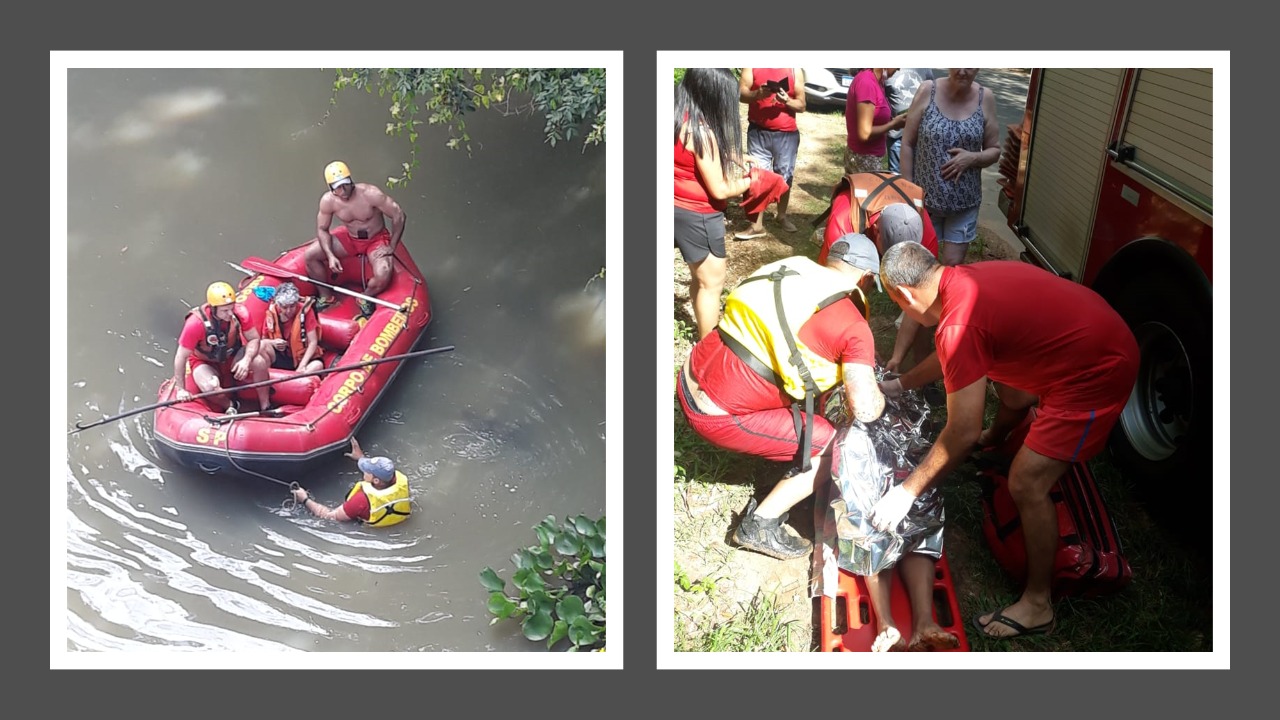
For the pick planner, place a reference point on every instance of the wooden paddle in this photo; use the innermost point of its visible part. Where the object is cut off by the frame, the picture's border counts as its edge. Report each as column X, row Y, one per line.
column 258, row 265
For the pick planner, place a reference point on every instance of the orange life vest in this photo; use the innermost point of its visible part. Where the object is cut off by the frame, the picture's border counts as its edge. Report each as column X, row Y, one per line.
column 870, row 193
column 296, row 333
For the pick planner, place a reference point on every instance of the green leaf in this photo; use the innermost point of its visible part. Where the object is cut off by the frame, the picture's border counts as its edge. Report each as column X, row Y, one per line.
column 491, row 581
column 544, row 560
column 558, row 633
column 501, row 605
column 582, row 632
column 527, row 579
column 584, row 525
column 570, row 608
column 568, row 544
column 539, row 600
column 596, row 544
column 545, row 537
column 538, row 626
column 523, row 559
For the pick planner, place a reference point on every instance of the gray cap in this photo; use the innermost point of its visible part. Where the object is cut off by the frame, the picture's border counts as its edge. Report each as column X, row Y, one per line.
column 897, row 223
column 379, row 467
column 858, row 251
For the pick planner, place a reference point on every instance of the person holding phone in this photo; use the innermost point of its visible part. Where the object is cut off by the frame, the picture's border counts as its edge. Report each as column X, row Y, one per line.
column 773, row 97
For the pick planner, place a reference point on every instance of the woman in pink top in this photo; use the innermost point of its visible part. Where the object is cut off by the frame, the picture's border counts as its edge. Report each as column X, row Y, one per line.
column 708, row 171
column 867, row 119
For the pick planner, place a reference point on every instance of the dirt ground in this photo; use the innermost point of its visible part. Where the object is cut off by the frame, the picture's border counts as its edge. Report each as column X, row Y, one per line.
column 705, row 515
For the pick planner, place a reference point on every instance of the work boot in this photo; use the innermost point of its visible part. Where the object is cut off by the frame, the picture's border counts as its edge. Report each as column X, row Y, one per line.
column 769, row 536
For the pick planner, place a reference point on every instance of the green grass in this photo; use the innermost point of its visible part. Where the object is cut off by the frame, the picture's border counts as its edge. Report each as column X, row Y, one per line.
column 755, row 629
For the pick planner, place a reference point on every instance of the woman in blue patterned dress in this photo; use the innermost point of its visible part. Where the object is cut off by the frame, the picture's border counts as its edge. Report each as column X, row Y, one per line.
column 950, row 135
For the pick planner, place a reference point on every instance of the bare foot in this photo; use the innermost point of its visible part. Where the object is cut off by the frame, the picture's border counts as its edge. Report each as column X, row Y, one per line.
column 889, row 640
column 933, row 638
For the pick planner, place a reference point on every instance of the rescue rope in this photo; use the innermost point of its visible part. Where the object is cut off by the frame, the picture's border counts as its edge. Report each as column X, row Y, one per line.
column 288, row 503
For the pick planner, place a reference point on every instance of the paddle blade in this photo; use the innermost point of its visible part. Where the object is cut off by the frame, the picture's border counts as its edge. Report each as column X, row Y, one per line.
column 270, row 269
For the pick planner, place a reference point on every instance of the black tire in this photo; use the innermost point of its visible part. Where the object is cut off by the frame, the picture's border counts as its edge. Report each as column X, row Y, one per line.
column 1164, row 439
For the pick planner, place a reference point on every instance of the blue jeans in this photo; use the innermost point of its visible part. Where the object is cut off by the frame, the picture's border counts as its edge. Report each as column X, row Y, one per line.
column 891, row 148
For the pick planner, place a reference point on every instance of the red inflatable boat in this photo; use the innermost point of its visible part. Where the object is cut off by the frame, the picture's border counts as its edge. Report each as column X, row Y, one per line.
column 319, row 413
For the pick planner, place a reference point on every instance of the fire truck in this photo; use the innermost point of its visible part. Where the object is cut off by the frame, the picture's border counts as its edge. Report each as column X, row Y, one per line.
column 1108, row 181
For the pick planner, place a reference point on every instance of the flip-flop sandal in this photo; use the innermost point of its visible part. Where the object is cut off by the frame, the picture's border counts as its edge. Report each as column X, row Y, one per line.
column 749, row 234
column 1018, row 628
column 788, row 225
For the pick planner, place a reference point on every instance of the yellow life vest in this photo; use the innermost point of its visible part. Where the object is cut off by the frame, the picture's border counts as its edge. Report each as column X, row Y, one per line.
column 387, row 506
column 760, row 321
column 799, row 287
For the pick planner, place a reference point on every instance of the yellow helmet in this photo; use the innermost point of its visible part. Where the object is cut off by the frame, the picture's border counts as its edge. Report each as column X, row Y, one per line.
column 220, row 293
column 336, row 173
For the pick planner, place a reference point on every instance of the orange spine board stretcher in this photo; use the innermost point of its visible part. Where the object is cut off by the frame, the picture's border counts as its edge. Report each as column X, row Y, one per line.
column 849, row 624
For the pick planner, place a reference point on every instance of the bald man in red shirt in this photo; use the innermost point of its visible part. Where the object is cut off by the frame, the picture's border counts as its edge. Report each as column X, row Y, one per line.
column 1042, row 340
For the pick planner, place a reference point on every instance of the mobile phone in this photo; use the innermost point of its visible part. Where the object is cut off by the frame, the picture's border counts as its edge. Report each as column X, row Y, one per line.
column 781, row 84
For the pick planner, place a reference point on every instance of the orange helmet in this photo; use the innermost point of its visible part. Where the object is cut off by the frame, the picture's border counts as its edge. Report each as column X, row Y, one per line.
column 220, row 294
column 336, row 173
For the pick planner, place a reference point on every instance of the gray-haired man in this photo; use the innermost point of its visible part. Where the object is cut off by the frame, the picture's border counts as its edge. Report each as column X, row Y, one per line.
column 291, row 331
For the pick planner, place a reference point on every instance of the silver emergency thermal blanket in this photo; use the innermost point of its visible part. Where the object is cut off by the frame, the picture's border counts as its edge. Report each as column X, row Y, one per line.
column 866, row 461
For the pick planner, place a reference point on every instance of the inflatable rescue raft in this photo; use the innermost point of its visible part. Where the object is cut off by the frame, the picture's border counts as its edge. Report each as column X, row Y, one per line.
column 318, row 413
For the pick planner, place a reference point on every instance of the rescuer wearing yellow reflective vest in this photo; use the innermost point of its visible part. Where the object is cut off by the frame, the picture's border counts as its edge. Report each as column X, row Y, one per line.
column 379, row 499
column 789, row 333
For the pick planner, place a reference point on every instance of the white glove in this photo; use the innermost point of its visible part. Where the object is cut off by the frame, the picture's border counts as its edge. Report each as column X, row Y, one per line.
column 891, row 509
column 891, row 388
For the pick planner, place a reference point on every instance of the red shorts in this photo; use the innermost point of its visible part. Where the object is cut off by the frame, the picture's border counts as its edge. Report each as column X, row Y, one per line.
column 770, row 434
column 223, row 370
column 1072, row 435
column 356, row 246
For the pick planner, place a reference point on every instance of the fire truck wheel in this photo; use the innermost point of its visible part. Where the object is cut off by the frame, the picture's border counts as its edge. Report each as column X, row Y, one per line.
column 1164, row 439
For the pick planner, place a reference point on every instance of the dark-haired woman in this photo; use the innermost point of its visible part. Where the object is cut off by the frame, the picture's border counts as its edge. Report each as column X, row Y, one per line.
column 709, row 169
